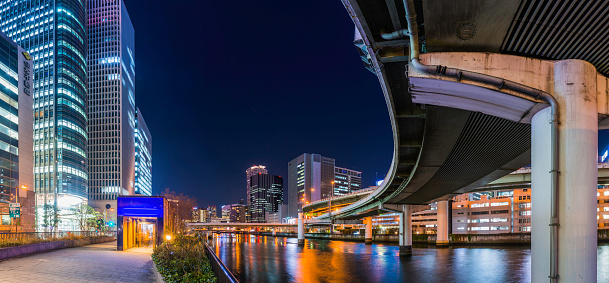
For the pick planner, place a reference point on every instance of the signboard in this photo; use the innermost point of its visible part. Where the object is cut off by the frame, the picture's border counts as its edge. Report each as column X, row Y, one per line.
column 15, row 210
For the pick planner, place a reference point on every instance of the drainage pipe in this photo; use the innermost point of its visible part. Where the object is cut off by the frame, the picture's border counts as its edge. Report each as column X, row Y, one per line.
column 395, row 35
column 500, row 83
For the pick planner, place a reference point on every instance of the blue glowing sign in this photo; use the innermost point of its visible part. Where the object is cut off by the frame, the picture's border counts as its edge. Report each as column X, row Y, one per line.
column 140, row 206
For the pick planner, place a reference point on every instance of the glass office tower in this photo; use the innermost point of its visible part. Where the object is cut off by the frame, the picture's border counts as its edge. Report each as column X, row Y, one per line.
column 54, row 34
column 112, row 119
column 16, row 133
column 143, row 156
column 254, row 170
column 266, row 195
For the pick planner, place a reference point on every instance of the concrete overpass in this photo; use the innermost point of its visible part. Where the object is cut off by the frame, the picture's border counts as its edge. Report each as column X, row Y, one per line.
column 468, row 85
column 520, row 178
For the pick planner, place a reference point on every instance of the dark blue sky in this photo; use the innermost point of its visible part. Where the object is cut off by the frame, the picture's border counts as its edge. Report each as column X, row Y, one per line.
column 224, row 85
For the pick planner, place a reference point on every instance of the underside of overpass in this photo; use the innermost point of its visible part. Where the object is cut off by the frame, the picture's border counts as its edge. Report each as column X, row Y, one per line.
column 497, row 62
column 439, row 151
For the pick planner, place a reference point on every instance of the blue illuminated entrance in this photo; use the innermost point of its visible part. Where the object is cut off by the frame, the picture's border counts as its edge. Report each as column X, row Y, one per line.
column 140, row 221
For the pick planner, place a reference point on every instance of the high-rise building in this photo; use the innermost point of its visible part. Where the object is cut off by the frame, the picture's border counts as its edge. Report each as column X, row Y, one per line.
column 143, row 156
column 254, row 170
column 16, row 133
column 112, row 120
column 54, row 33
column 346, row 181
column 310, row 178
column 235, row 213
column 212, row 210
column 266, row 195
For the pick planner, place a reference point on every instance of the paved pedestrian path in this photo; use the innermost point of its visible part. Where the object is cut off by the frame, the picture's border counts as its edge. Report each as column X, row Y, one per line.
column 93, row 263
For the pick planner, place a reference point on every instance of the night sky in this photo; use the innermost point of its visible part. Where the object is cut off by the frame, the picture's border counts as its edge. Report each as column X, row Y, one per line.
column 224, row 85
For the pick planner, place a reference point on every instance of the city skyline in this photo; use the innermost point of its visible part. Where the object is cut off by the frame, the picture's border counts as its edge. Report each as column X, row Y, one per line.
column 221, row 104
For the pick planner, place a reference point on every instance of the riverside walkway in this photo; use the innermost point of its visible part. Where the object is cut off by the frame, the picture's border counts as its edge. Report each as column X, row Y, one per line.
column 92, row 263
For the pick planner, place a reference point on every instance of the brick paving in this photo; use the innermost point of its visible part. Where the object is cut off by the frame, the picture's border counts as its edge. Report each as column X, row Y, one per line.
column 93, row 263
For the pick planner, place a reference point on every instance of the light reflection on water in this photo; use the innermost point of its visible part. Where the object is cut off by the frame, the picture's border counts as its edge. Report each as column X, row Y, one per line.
column 280, row 259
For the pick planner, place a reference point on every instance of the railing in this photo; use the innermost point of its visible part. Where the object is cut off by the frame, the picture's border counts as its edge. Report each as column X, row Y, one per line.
column 8, row 236
column 342, row 196
column 224, row 275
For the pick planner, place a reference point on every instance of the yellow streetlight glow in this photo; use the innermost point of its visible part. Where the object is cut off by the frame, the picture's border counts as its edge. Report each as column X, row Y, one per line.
column 168, row 237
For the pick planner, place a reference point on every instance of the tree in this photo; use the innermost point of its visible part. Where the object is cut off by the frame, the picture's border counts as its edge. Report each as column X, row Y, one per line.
column 179, row 210
column 50, row 218
column 85, row 216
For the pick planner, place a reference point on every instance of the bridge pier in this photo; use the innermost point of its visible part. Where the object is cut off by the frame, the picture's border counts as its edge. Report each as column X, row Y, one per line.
column 442, row 217
column 576, row 94
column 405, row 231
column 301, row 232
column 368, row 235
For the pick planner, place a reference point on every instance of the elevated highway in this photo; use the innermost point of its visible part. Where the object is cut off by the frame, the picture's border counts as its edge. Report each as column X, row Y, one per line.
column 453, row 135
column 520, row 178
column 477, row 89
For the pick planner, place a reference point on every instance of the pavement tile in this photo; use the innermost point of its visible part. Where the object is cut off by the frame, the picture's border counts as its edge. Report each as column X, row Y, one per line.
column 94, row 263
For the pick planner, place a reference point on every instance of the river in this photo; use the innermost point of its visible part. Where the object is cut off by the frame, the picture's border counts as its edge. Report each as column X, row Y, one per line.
column 280, row 259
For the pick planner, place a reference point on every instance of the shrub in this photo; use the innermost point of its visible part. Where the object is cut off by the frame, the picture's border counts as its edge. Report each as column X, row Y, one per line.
column 5, row 243
column 183, row 260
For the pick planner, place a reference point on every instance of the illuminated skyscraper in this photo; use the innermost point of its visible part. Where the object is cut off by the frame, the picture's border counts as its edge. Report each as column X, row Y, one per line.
column 254, row 170
column 54, row 33
column 112, row 119
column 310, row 179
column 346, row 181
column 266, row 195
column 143, row 156
column 16, row 132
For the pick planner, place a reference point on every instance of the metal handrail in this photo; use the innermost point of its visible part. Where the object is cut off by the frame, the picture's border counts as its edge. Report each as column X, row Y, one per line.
column 5, row 236
column 342, row 196
column 223, row 273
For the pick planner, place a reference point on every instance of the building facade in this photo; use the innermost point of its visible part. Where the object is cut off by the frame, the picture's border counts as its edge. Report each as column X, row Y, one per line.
column 254, row 170
column 112, row 120
column 266, row 195
column 54, row 33
column 310, row 178
column 346, row 181
column 277, row 217
column 235, row 213
column 16, row 135
column 143, row 156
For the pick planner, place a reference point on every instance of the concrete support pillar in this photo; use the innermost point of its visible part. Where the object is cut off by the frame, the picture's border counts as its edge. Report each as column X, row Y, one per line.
column 368, row 223
column 301, row 232
column 405, row 231
column 575, row 92
column 442, row 236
